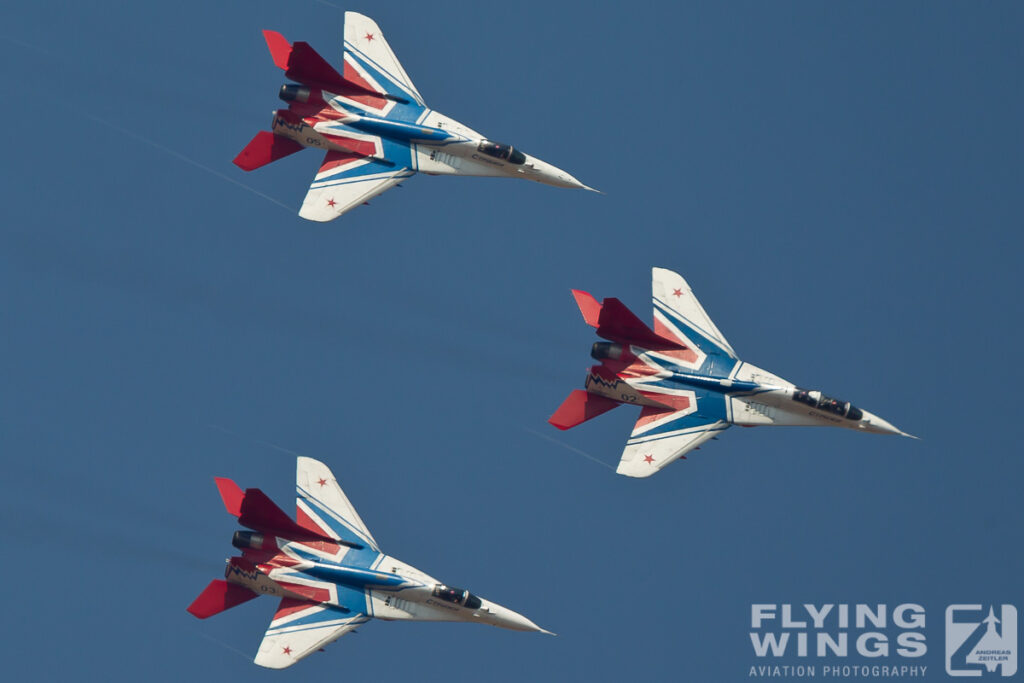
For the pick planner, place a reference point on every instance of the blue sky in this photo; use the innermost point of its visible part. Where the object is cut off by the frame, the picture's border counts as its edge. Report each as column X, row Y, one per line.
column 839, row 182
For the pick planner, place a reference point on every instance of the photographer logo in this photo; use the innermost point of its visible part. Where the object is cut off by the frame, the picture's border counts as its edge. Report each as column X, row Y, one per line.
column 981, row 640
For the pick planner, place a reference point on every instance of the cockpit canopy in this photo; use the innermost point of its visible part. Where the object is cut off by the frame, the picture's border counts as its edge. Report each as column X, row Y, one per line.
column 500, row 151
column 818, row 400
column 457, row 596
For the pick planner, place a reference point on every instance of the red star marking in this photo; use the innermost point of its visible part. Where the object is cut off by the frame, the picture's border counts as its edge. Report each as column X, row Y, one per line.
column 677, row 292
column 649, row 459
column 331, row 202
column 322, row 482
column 369, row 37
column 287, row 650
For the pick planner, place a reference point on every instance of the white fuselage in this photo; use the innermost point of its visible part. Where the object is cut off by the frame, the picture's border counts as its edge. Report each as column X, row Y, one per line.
column 750, row 396
column 393, row 590
column 438, row 145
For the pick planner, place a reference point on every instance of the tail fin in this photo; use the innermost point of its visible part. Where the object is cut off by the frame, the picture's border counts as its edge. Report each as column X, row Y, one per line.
column 260, row 513
column 256, row 511
column 219, row 596
column 616, row 322
column 579, row 407
column 265, row 148
column 304, row 64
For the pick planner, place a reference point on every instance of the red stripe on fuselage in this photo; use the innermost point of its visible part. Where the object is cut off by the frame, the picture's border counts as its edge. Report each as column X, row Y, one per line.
column 334, row 160
column 651, row 414
column 291, row 606
column 673, row 401
column 685, row 354
column 306, row 522
column 321, row 546
column 352, row 75
column 639, row 369
column 354, row 146
column 280, row 560
column 308, row 592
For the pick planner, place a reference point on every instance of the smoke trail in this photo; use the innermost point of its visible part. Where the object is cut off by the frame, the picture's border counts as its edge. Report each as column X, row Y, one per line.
column 261, row 442
column 182, row 157
column 226, row 646
column 586, row 455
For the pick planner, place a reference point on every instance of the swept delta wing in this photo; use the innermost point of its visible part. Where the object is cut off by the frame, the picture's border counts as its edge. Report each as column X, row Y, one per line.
column 373, row 126
column 687, row 380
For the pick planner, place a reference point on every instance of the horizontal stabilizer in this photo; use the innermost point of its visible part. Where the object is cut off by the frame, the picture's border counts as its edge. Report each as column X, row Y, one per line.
column 617, row 323
column 265, row 148
column 589, row 307
column 219, row 596
column 579, row 407
column 231, row 494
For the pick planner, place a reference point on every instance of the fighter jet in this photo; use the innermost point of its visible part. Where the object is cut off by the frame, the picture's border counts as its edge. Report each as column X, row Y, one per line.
column 688, row 380
column 328, row 572
column 374, row 127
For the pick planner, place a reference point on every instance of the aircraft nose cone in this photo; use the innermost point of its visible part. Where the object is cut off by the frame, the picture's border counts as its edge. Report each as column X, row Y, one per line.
column 872, row 423
column 505, row 618
column 552, row 175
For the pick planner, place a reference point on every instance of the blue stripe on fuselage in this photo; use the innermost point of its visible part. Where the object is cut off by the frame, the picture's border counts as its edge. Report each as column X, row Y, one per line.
column 396, row 151
column 717, row 384
column 711, row 407
column 398, row 130
column 353, row 577
column 714, row 368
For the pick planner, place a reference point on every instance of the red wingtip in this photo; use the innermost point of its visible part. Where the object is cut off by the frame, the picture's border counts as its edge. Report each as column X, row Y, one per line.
column 579, row 407
column 231, row 494
column 589, row 307
column 280, row 48
column 217, row 597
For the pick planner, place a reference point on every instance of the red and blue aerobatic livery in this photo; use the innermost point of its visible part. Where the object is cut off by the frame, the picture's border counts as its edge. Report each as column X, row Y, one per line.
column 688, row 381
column 328, row 572
column 373, row 126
